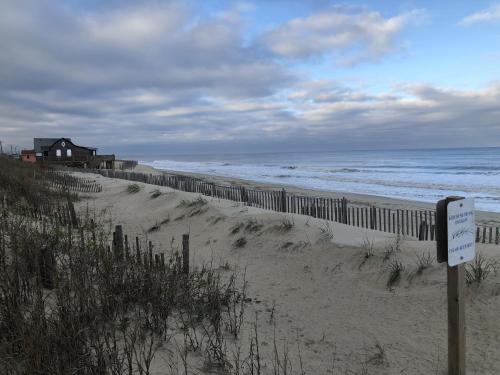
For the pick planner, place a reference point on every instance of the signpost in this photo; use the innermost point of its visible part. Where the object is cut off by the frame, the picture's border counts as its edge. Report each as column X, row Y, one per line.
column 455, row 239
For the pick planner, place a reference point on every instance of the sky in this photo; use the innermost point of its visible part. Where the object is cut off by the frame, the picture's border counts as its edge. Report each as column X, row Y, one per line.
column 161, row 77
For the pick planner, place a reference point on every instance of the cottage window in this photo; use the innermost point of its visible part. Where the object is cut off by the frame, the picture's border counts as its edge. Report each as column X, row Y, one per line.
column 68, row 152
column 58, row 153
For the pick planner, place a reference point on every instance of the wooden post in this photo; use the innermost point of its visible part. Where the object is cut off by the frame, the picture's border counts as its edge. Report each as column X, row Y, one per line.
column 455, row 291
column 344, row 210
column 137, row 250
column 47, row 267
column 150, row 254
column 422, row 231
column 118, row 242
column 456, row 320
column 185, row 254
column 283, row 201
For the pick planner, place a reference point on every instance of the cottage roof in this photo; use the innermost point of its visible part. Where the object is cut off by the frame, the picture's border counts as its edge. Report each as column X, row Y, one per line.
column 44, row 143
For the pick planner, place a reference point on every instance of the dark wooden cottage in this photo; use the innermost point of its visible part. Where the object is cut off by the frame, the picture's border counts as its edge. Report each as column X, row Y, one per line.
column 63, row 151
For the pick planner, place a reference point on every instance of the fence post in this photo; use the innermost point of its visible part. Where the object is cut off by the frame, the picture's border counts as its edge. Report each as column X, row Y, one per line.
column 150, row 254
column 422, row 231
column 344, row 210
column 47, row 267
column 244, row 195
column 137, row 250
column 283, row 200
column 185, row 254
column 118, row 242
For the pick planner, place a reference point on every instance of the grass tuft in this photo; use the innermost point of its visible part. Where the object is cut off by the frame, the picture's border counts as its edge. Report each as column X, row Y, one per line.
column 424, row 261
column 368, row 250
column 326, row 231
column 285, row 225
column 253, row 226
column 240, row 242
column 392, row 248
column 249, row 226
column 154, row 228
column 155, row 193
column 480, row 269
column 396, row 269
column 195, row 203
column 133, row 188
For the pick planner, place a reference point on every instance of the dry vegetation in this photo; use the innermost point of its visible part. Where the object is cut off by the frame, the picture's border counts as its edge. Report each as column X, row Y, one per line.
column 71, row 304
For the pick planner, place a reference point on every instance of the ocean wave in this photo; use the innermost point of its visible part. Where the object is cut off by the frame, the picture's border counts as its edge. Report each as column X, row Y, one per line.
column 419, row 175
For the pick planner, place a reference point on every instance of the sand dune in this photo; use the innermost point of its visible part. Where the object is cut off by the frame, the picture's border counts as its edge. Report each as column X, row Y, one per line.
column 315, row 288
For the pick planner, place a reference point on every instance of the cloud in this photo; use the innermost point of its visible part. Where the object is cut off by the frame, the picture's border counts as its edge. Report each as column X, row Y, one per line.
column 410, row 115
column 160, row 77
column 491, row 14
column 351, row 33
column 157, row 46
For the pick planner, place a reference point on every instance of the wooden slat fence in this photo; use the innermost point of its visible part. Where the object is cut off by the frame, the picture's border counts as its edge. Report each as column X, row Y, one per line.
column 420, row 224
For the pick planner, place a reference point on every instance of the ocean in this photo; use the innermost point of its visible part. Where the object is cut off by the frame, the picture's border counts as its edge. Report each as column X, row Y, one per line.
column 421, row 175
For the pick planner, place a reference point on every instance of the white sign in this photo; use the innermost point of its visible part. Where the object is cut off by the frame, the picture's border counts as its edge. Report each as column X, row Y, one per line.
column 461, row 226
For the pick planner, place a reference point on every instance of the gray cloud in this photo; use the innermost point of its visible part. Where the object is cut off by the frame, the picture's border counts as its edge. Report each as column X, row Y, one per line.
column 354, row 34
column 160, row 78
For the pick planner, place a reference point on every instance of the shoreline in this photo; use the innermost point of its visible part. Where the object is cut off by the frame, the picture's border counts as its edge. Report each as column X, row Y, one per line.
column 482, row 217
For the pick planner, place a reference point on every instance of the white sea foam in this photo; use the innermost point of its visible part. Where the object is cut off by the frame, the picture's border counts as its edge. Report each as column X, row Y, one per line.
column 425, row 175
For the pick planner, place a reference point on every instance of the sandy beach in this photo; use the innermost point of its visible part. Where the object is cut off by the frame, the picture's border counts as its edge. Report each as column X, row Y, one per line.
column 319, row 290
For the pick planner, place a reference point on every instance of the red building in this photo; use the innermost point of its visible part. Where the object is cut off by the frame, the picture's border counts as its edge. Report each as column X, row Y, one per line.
column 28, row 156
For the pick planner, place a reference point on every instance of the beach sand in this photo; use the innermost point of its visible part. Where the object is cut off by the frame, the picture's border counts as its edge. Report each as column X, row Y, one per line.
column 313, row 286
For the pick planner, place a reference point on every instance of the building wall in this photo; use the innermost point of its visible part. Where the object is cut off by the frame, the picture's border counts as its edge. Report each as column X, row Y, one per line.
column 64, row 149
column 28, row 158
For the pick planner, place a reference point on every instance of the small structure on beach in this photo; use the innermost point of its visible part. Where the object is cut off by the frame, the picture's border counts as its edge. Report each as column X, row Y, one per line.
column 28, row 156
column 62, row 151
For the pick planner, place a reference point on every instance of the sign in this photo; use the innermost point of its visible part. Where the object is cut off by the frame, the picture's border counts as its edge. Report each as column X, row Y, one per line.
column 461, row 226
